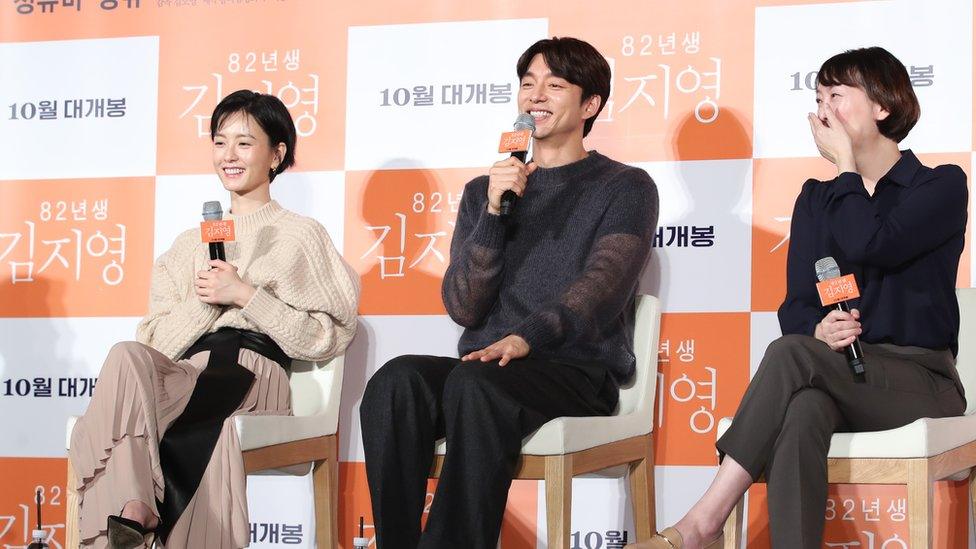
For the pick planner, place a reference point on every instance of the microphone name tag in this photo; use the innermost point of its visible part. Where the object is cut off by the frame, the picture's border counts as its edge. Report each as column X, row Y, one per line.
column 515, row 141
column 837, row 289
column 221, row 230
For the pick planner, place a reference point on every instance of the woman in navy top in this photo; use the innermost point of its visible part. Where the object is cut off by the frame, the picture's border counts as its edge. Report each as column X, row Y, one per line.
column 899, row 227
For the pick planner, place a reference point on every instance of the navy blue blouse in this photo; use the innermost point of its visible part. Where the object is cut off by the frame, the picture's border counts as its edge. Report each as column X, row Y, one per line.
column 902, row 244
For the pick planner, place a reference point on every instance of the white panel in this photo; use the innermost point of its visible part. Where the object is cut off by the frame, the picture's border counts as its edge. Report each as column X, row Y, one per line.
column 386, row 63
column 601, row 505
column 281, row 511
column 688, row 278
column 84, row 145
column 792, row 42
column 69, row 349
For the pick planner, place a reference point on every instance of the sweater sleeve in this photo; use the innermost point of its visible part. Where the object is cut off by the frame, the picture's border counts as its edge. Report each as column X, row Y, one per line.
column 611, row 271
column 472, row 279
column 310, row 310
column 176, row 317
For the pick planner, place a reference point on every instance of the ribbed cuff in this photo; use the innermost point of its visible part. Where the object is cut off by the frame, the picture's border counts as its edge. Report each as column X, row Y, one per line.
column 489, row 231
column 196, row 313
column 263, row 309
column 535, row 331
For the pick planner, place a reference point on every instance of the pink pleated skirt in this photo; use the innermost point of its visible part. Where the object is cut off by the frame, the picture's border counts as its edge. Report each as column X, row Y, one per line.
column 115, row 445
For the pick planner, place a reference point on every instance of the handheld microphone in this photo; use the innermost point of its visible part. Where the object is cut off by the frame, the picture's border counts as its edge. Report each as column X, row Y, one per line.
column 836, row 290
column 211, row 229
column 516, row 142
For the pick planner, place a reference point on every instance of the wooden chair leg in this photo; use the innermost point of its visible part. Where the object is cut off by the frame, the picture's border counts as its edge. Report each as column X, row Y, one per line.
column 972, row 492
column 733, row 527
column 642, row 494
column 325, row 486
column 559, row 500
column 920, row 490
column 71, row 532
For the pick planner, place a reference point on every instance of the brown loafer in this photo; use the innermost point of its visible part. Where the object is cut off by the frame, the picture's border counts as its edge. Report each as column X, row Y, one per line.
column 669, row 538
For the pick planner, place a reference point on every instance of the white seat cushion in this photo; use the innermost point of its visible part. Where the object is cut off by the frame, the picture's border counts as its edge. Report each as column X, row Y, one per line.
column 922, row 438
column 266, row 430
column 565, row 435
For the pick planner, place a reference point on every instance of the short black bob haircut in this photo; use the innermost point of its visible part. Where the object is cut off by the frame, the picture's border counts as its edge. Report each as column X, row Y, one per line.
column 269, row 112
column 575, row 61
column 885, row 81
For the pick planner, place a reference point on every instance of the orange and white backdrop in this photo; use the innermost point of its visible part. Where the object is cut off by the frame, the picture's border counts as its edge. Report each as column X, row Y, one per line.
column 104, row 159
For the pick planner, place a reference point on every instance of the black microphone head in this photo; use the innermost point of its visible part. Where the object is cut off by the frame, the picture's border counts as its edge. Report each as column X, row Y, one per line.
column 826, row 268
column 525, row 122
column 212, row 211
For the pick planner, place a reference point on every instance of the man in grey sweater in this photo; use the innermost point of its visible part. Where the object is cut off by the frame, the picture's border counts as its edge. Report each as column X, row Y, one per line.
column 547, row 299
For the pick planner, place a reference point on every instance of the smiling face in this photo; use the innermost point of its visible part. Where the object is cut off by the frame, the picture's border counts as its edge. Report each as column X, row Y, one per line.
column 243, row 155
column 556, row 105
column 853, row 108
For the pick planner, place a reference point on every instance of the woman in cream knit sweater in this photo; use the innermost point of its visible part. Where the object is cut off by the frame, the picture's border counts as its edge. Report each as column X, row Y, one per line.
column 156, row 451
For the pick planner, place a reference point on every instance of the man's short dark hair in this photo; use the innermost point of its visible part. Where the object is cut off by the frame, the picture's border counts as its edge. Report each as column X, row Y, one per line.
column 575, row 61
column 269, row 112
column 885, row 81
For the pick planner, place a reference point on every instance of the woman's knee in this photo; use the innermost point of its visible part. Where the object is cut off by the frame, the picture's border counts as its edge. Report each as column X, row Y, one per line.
column 787, row 346
column 788, row 354
column 123, row 356
column 812, row 410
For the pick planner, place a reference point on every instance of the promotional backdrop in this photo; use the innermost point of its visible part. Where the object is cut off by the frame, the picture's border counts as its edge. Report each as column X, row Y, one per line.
column 105, row 158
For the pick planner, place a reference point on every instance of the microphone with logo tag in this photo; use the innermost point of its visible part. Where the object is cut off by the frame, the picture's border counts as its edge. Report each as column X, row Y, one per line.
column 518, row 143
column 214, row 230
column 836, row 290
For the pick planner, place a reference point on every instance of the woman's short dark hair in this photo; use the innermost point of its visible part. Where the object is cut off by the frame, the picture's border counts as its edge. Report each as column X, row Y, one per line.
column 269, row 112
column 885, row 81
column 575, row 61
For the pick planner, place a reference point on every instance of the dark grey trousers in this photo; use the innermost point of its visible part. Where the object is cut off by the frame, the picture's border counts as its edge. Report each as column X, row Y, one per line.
column 484, row 410
column 804, row 392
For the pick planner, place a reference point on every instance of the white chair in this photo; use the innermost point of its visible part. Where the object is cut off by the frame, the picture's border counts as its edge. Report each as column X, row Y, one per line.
column 283, row 444
column 569, row 446
column 916, row 455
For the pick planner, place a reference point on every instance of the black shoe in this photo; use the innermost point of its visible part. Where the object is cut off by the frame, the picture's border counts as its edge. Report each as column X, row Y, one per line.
column 125, row 533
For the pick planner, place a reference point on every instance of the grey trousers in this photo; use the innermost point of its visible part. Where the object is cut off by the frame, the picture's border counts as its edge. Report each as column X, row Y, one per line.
column 804, row 392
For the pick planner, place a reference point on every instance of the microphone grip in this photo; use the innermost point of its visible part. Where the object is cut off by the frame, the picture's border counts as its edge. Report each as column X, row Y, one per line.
column 507, row 203
column 855, row 356
column 217, row 251
column 509, row 198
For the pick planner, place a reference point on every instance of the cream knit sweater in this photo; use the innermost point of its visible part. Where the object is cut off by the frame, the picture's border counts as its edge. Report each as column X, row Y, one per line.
column 306, row 298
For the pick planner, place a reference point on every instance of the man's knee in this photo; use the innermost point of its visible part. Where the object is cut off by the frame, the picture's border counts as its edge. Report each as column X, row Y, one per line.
column 468, row 381
column 479, row 393
column 396, row 372
column 390, row 380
